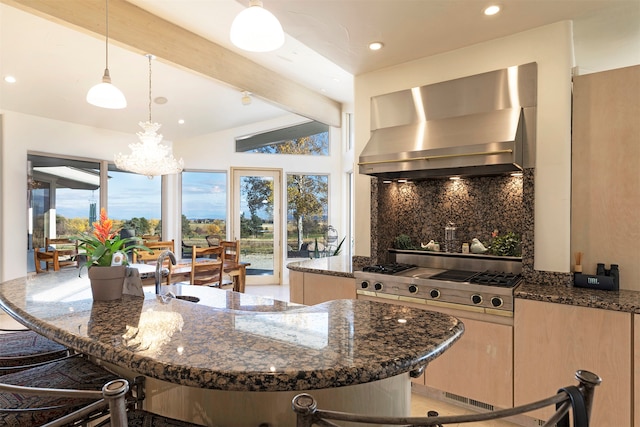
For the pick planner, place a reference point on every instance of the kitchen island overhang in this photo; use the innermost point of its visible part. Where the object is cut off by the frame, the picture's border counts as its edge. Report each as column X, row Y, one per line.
column 233, row 342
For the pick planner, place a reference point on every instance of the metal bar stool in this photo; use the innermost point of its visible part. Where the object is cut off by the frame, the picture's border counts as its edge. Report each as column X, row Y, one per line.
column 20, row 349
column 578, row 399
column 107, row 404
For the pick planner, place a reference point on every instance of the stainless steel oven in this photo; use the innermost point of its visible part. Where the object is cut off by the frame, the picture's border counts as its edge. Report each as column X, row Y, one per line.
column 477, row 371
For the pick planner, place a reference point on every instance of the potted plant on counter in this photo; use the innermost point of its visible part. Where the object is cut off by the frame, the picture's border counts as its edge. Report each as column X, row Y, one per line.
column 106, row 260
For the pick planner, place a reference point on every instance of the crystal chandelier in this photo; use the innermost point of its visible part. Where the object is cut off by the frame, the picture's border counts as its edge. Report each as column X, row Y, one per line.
column 149, row 157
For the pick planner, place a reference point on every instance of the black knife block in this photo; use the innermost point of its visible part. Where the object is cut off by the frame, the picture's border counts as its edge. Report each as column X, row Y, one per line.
column 593, row 281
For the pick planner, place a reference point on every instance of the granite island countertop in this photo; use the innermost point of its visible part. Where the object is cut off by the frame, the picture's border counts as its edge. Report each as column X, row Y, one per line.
column 339, row 265
column 232, row 341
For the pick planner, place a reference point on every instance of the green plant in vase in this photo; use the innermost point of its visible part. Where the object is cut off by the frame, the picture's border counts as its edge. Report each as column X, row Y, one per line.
column 101, row 249
column 104, row 243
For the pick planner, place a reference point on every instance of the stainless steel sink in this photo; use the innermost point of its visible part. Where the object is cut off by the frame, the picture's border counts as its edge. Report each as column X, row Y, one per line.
column 188, row 298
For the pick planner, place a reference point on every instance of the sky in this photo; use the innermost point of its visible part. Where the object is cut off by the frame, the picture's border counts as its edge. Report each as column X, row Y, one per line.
column 130, row 195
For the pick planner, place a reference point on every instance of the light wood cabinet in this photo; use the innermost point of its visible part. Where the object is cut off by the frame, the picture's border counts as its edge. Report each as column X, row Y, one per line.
column 311, row 288
column 552, row 341
column 296, row 286
column 636, row 368
column 604, row 171
column 479, row 366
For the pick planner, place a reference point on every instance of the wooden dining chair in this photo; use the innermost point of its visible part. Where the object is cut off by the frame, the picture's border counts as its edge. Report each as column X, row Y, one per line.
column 231, row 250
column 48, row 258
column 206, row 266
column 149, row 238
column 151, row 256
column 66, row 250
column 231, row 253
column 155, row 249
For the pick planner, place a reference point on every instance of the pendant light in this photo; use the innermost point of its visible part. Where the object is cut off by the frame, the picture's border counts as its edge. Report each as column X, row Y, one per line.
column 255, row 29
column 105, row 94
column 149, row 157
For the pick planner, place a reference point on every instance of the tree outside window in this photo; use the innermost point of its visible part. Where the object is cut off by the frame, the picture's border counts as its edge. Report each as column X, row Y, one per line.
column 307, row 206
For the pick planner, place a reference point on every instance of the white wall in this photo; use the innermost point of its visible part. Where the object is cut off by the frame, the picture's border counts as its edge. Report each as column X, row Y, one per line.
column 22, row 133
column 551, row 47
column 217, row 151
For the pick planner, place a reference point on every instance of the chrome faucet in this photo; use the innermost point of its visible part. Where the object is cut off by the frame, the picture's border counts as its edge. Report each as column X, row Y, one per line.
column 159, row 263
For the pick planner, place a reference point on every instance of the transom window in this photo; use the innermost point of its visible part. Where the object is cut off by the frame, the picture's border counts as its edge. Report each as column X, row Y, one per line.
column 310, row 138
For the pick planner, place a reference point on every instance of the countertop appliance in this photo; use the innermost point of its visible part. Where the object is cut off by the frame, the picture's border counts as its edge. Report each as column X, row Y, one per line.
column 488, row 291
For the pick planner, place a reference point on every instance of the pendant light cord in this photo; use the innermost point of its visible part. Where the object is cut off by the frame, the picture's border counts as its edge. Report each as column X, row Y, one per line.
column 150, row 57
column 107, row 36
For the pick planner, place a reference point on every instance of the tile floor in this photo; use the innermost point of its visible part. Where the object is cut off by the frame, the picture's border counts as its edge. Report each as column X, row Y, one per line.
column 420, row 405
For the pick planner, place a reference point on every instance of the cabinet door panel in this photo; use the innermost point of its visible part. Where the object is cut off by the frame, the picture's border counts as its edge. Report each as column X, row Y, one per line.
column 479, row 366
column 296, row 286
column 552, row 341
column 320, row 288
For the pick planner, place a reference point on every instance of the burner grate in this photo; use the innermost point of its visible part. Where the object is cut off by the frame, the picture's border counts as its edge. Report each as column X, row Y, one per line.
column 455, row 275
column 496, row 279
column 392, row 268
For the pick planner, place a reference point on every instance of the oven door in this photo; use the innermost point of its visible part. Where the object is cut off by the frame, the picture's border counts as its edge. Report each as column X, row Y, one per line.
column 478, row 368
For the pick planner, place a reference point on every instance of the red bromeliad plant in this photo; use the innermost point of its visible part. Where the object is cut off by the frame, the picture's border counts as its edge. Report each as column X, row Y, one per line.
column 104, row 242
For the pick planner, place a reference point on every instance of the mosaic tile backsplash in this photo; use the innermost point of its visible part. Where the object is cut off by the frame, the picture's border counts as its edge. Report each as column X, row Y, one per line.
column 477, row 206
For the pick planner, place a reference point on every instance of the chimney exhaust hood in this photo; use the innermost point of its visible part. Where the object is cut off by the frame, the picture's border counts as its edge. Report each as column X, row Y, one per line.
column 479, row 125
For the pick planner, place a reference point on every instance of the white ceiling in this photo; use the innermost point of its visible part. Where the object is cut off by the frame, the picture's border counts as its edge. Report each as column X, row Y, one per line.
column 325, row 47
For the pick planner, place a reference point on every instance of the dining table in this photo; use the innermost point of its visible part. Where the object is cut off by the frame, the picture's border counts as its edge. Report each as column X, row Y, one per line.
column 181, row 270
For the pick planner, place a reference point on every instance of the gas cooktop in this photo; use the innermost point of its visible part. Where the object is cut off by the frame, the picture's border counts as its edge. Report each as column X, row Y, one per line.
column 491, row 278
column 392, row 268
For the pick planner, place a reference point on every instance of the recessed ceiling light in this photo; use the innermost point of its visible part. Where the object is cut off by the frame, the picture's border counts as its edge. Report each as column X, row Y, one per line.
column 491, row 10
column 181, row 121
column 10, row 79
column 375, row 45
column 160, row 100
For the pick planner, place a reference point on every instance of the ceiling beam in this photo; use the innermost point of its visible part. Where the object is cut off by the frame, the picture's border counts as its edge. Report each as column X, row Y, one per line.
column 141, row 31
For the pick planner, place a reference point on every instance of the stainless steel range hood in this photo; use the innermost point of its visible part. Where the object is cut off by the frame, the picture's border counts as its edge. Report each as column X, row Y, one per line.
column 479, row 125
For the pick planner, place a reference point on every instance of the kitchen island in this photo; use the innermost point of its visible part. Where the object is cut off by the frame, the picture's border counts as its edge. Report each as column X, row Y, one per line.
column 555, row 330
column 237, row 359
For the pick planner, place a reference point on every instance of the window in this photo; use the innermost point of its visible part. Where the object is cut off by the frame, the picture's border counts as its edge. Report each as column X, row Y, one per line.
column 63, row 195
column 307, row 208
column 310, row 138
column 204, row 206
column 134, row 202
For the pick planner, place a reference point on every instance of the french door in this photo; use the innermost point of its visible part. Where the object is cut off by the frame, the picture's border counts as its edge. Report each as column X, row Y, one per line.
column 256, row 218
